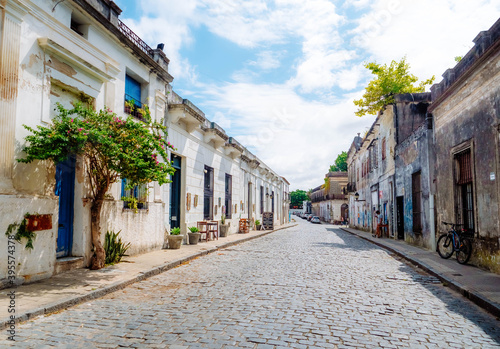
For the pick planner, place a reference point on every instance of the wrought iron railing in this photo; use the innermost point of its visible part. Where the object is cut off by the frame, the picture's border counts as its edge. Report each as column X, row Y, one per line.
column 135, row 38
column 351, row 187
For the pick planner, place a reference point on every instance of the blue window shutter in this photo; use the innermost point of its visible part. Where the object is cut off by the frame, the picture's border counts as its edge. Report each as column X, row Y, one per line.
column 124, row 183
column 132, row 90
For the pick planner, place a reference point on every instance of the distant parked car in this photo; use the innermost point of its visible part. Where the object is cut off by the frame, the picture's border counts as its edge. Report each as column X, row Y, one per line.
column 309, row 217
column 315, row 219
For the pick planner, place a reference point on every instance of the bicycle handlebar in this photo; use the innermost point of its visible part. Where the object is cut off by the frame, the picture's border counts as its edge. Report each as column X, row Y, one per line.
column 452, row 223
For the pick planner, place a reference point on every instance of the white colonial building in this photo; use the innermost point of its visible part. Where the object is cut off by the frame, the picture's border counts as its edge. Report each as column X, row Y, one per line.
column 58, row 52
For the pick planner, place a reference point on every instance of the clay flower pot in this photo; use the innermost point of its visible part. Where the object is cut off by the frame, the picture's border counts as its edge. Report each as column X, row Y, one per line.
column 194, row 238
column 224, row 230
column 174, row 241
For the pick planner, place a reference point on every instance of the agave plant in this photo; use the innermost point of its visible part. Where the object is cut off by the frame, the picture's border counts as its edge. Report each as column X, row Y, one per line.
column 114, row 247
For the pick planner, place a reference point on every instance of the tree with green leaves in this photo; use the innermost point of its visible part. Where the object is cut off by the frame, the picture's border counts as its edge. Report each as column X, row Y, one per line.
column 390, row 80
column 297, row 197
column 111, row 147
column 326, row 185
column 340, row 163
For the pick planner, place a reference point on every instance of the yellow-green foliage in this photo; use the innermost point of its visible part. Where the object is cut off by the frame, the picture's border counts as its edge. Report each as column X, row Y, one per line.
column 390, row 80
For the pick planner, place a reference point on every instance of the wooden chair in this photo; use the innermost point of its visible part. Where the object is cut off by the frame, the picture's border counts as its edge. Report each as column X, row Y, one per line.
column 213, row 230
column 203, row 229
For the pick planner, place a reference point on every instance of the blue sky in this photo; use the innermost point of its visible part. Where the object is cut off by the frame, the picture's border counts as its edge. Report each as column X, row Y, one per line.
column 280, row 76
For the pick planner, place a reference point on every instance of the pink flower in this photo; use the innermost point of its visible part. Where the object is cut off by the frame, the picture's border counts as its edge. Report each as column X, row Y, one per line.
column 80, row 129
column 69, row 131
column 71, row 120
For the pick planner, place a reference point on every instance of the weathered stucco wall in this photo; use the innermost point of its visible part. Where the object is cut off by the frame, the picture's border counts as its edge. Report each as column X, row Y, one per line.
column 467, row 115
column 412, row 155
column 35, row 264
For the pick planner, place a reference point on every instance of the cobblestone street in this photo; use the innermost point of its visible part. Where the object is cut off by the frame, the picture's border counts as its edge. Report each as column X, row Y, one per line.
column 310, row 286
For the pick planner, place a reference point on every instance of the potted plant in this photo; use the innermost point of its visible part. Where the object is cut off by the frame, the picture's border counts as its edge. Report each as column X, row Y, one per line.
column 175, row 238
column 139, row 112
column 129, row 106
column 194, row 235
column 224, row 228
column 257, row 224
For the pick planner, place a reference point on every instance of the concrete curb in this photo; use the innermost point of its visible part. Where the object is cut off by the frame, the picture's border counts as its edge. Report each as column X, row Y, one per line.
column 470, row 294
column 70, row 302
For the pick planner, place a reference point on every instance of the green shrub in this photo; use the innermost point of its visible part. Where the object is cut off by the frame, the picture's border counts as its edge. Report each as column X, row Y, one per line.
column 114, row 247
column 194, row 229
column 175, row 231
column 257, row 222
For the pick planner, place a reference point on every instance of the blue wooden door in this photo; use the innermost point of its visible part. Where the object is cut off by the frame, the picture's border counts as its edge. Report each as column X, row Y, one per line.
column 65, row 189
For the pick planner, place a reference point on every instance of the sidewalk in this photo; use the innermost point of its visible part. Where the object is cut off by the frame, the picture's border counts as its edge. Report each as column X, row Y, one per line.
column 81, row 285
column 481, row 287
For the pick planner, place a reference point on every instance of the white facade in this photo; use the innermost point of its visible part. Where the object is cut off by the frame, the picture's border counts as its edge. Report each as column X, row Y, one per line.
column 60, row 52
column 200, row 143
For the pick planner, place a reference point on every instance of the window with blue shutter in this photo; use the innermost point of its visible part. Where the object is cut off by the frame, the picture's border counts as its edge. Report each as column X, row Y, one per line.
column 133, row 91
column 139, row 192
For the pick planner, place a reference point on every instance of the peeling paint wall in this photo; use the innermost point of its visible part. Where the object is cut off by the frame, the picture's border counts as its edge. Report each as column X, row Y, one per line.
column 412, row 156
column 467, row 116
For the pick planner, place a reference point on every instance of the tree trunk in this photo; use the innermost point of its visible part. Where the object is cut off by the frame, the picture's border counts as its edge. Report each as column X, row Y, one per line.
column 99, row 257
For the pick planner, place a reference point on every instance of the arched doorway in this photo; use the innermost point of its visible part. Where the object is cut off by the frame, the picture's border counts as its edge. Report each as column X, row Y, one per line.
column 344, row 212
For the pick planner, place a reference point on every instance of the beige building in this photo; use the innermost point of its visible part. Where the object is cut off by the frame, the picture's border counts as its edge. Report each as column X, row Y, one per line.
column 330, row 203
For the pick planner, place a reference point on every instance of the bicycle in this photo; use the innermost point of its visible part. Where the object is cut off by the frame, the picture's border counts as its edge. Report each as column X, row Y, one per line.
column 452, row 241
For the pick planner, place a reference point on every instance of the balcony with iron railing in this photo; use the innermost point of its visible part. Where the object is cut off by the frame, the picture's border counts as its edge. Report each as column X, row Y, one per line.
column 219, row 131
column 320, row 197
column 134, row 107
column 135, row 39
column 351, row 187
column 235, row 144
column 156, row 55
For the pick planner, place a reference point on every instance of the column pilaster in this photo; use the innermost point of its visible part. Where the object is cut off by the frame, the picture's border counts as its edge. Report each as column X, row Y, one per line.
column 12, row 13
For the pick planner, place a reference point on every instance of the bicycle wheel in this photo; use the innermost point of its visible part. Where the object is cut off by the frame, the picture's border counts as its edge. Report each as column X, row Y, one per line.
column 465, row 251
column 445, row 246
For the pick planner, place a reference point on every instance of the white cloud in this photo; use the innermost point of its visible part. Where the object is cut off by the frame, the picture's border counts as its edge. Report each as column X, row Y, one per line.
column 430, row 33
column 267, row 60
column 299, row 138
column 296, row 137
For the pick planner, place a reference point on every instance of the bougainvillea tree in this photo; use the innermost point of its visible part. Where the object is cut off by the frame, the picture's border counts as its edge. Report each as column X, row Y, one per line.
column 111, row 147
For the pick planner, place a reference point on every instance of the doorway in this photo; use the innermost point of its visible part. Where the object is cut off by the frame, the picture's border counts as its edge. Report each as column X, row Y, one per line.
column 249, row 201
column 175, row 193
column 65, row 189
column 208, row 197
column 400, row 217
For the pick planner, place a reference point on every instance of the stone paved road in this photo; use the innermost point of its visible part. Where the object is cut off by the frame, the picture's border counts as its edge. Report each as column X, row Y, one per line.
column 310, row 286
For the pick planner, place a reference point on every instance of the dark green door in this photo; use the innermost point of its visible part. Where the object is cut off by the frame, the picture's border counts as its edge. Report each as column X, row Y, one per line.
column 175, row 193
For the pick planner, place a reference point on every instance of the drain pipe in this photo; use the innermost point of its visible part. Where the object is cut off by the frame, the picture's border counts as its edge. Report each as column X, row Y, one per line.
column 430, row 141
